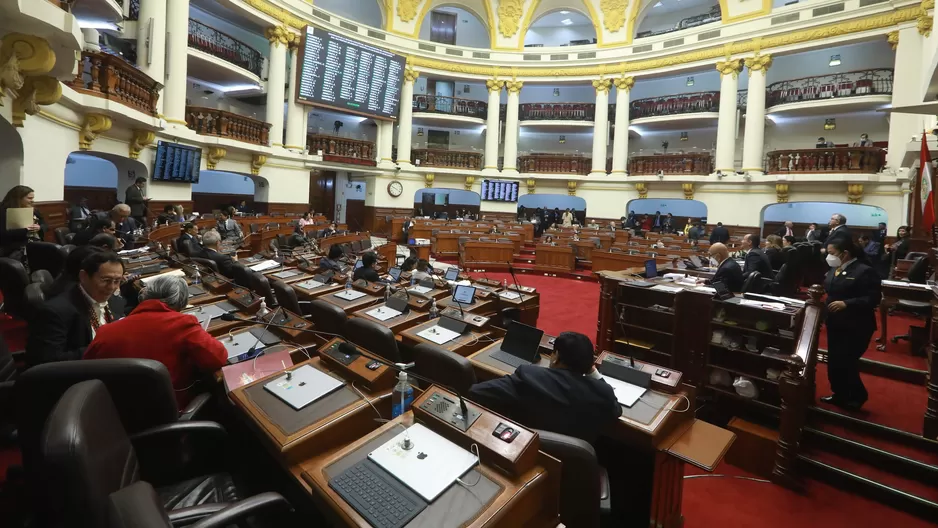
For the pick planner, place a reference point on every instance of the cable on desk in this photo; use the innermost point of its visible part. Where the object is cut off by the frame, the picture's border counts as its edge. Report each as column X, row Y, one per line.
column 683, row 397
column 474, row 449
column 360, row 393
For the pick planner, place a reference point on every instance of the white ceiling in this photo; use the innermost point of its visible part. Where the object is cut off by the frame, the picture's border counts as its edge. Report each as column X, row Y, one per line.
column 678, row 5
column 555, row 19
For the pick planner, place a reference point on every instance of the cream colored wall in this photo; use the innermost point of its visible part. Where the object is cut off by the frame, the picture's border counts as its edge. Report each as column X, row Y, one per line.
column 46, row 146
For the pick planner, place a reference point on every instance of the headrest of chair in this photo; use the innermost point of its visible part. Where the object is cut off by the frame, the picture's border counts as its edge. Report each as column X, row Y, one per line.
column 444, row 366
column 375, row 338
column 136, row 506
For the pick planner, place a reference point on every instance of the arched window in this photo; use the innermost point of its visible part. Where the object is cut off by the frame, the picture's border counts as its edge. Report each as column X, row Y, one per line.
column 364, row 12
column 664, row 16
column 456, row 26
column 560, row 27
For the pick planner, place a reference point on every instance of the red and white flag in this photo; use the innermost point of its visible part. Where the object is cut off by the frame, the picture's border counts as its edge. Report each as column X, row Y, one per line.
column 927, row 192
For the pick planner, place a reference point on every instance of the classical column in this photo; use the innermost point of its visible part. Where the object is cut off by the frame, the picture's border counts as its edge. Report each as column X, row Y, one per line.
column 754, row 138
column 296, row 113
column 385, row 143
column 511, row 127
column 406, row 121
column 600, row 126
column 279, row 37
column 151, row 41
column 491, row 125
column 620, row 141
column 908, row 44
column 177, row 46
column 726, row 125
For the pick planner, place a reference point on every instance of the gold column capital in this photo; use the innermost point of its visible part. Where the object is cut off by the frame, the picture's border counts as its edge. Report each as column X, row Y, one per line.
column 642, row 189
column 469, row 181
column 759, row 63
column 93, row 125
column 428, row 180
column 688, row 189
column 213, row 155
column 532, row 185
column 602, row 85
column 893, row 39
column 494, row 85
column 730, row 67
column 280, row 35
column 854, row 193
column 257, row 161
column 514, row 86
column 571, row 187
column 781, row 192
column 625, row 83
column 139, row 141
column 410, row 74
column 924, row 24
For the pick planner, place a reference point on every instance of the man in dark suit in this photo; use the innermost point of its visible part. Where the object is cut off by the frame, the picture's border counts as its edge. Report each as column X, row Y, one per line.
column 720, row 234
column 813, row 233
column 210, row 241
column 133, row 197
column 67, row 323
column 124, row 225
column 567, row 398
column 188, row 242
column 728, row 270
column 97, row 227
column 756, row 260
column 787, row 230
column 78, row 215
column 367, row 270
column 839, row 229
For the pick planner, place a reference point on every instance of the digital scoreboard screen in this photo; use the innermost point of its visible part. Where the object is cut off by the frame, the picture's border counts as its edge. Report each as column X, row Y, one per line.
column 346, row 75
column 500, row 190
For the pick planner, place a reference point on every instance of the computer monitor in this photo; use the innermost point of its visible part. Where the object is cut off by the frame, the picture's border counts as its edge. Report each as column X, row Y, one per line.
column 452, row 273
column 395, row 273
column 651, row 269
column 464, row 294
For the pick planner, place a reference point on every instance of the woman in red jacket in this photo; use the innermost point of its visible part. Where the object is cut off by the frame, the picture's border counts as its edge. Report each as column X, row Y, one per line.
column 157, row 330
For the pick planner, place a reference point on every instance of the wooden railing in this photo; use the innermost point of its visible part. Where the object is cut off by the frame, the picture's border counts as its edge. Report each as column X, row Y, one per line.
column 694, row 163
column 555, row 164
column 863, row 160
column 557, row 112
column 450, row 105
column 226, row 48
column 453, row 159
column 212, row 122
column 688, row 103
column 342, row 150
column 115, row 79
column 835, row 85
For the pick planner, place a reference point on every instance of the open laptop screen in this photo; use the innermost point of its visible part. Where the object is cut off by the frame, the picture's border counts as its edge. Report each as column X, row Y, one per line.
column 651, row 269
column 464, row 294
column 395, row 273
column 522, row 341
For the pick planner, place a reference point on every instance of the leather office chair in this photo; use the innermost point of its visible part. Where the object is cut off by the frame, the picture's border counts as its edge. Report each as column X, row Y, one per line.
column 917, row 275
column 60, row 233
column 41, row 277
column 327, row 316
column 446, row 367
column 785, row 283
column 13, row 281
column 366, row 243
column 35, row 297
column 584, row 484
column 89, row 453
column 184, row 247
column 508, row 315
column 286, row 297
column 206, row 263
column 373, row 337
column 752, row 283
column 45, row 256
column 241, row 274
column 261, row 286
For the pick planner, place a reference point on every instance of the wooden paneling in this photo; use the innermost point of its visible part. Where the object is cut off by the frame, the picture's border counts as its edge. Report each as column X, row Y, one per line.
column 156, row 208
column 208, row 202
column 99, row 198
column 322, row 192
column 284, row 208
column 355, row 214
column 376, row 219
column 55, row 215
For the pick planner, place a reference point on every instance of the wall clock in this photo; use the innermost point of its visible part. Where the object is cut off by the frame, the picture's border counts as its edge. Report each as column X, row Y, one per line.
column 395, row 188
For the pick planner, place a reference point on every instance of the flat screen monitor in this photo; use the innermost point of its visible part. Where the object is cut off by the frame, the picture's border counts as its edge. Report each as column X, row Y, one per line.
column 651, row 269
column 395, row 273
column 337, row 72
column 452, row 273
column 176, row 163
column 500, row 190
column 464, row 294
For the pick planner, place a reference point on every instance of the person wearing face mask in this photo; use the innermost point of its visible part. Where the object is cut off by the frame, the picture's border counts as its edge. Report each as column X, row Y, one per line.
column 727, row 270
column 853, row 293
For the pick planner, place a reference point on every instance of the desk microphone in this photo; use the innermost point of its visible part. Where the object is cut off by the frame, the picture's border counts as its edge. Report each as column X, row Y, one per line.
column 511, row 269
column 209, row 272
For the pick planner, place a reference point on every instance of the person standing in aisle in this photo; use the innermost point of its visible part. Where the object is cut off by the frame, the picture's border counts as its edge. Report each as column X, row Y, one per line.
column 853, row 293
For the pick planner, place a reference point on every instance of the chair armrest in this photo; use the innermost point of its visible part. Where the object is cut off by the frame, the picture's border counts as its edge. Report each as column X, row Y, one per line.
column 195, row 406
column 193, row 514
column 180, row 450
column 605, row 499
column 241, row 509
column 177, row 429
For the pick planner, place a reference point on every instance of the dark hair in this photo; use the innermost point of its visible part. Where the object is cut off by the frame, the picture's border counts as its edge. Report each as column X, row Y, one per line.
column 104, row 239
column 335, row 251
column 903, row 227
column 92, row 263
column 863, row 237
column 141, row 179
column 755, row 239
column 14, row 195
column 187, row 226
column 844, row 244
column 101, row 224
column 789, row 238
column 75, row 258
column 812, row 224
column 409, row 264
column 224, row 212
column 170, row 208
column 422, row 265
column 720, row 224
column 369, row 259
column 575, row 351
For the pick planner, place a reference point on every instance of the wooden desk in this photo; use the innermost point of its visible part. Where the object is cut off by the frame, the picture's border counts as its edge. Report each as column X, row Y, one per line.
column 528, row 303
column 892, row 294
column 422, row 250
column 554, row 258
column 489, row 254
column 487, row 367
column 300, row 277
column 616, row 261
column 464, row 345
column 486, row 307
column 395, row 324
column 350, row 306
column 447, row 244
column 260, row 241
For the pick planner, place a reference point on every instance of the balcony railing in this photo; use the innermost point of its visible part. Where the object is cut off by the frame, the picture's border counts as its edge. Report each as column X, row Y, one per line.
column 439, row 104
column 555, row 164
column 683, row 164
column 862, row 160
column 218, row 44
column 115, row 79
column 690, row 22
column 836, row 85
column 557, row 112
column 688, row 103
column 342, row 150
column 452, row 159
column 212, row 122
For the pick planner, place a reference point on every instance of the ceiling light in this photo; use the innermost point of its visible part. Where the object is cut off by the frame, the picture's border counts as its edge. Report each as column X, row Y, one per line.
column 659, row 4
column 564, row 12
column 835, row 60
column 566, row 22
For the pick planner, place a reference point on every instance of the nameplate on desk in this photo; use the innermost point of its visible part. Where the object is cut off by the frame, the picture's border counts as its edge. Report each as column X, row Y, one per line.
column 349, row 295
column 383, row 313
column 438, row 334
column 511, row 296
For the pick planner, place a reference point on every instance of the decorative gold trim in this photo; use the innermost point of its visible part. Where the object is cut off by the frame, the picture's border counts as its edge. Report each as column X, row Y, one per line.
column 294, row 147
column 494, row 85
column 924, row 24
column 624, row 83
column 571, row 187
column 407, row 10
column 613, row 12
column 730, row 67
column 176, row 122
column 532, row 184
column 34, row 55
column 277, row 13
column 213, row 155
column 855, row 193
column 58, row 120
column 642, row 189
column 893, row 39
column 688, row 189
column 93, row 125
column 428, row 178
column 726, row 18
column 781, row 192
column 758, row 63
column 602, row 85
column 469, row 181
column 410, row 74
column 514, row 86
column 38, row 90
column 510, row 13
column 139, row 141
column 257, row 161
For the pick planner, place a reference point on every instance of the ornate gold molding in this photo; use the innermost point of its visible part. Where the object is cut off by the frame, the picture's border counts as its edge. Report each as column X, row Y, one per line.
column 571, row 187
column 688, row 189
column 93, row 125
column 280, row 35
column 428, row 180
column 514, row 86
column 494, row 85
column 39, row 90
column 469, row 181
column 781, row 192
column 758, row 63
column 625, row 83
column 509, row 17
column 257, row 161
column 34, row 55
column 924, row 24
column 532, row 185
column 854, row 193
column 407, row 9
column 642, row 189
column 730, row 67
column 410, row 74
column 927, row 4
column 893, row 39
column 10, row 77
column 139, row 141
column 613, row 14
column 602, row 85
column 213, row 155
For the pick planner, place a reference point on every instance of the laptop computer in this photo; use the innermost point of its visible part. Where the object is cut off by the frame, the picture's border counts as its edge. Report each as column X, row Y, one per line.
column 395, row 273
column 303, row 386
column 520, row 345
column 651, row 269
column 464, row 294
column 451, row 274
column 358, row 264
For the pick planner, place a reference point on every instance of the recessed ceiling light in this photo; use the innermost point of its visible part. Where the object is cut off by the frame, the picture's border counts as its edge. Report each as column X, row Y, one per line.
column 659, row 4
column 564, row 12
column 566, row 22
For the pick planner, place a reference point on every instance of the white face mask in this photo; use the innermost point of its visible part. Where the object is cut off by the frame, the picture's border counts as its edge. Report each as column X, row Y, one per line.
column 833, row 261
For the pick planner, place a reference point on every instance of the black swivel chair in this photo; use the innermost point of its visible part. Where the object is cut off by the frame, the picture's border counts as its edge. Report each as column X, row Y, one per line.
column 448, row 368
column 60, row 234
column 752, row 283
column 35, row 297
column 917, row 275
column 207, row 263
column 327, row 316
column 286, row 297
column 584, row 484
column 509, row 315
column 13, row 281
column 261, row 286
column 241, row 274
column 373, row 337
column 45, row 256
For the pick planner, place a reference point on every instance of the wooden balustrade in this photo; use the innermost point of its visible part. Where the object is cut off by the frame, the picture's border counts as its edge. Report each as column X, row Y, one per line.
column 212, row 122
column 692, row 163
column 450, row 105
column 557, row 111
column 555, row 164
column 113, row 78
column 863, row 160
column 688, row 103
column 342, row 150
column 453, row 159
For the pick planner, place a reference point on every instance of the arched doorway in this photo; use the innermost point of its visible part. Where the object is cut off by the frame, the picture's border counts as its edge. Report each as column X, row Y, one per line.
column 462, row 24
column 559, row 26
column 551, row 206
column 682, row 211
column 100, row 178
column 446, row 203
column 216, row 190
column 862, row 219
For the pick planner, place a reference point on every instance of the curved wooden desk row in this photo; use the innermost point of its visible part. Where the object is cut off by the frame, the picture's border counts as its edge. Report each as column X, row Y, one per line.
column 424, row 228
column 447, row 244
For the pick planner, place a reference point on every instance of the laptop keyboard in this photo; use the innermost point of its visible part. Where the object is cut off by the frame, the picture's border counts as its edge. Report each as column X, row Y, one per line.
column 505, row 357
column 378, row 497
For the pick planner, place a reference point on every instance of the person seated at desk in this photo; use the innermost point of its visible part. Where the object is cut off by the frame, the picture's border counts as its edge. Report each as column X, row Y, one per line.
column 332, row 261
column 788, row 241
column 157, row 330
column 169, row 216
column 66, row 324
column 773, row 250
column 190, row 237
column 124, row 224
column 98, row 226
column 727, row 269
column 211, row 241
column 423, row 271
column 106, row 242
column 409, row 264
column 78, row 215
column 549, row 240
column 243, row 207
column 228, row 227
column 367, row 270
column 567, row 398
column 329, row 231
column 306, row 220
column 756, row 260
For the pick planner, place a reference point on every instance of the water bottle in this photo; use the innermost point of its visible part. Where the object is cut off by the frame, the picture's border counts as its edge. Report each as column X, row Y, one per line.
column 434, row 311
column 262, row 309
column 504, row 284
column 413, row 280
column 402, row 397
column 387, row 293
column 197, row 277
column 348, row 281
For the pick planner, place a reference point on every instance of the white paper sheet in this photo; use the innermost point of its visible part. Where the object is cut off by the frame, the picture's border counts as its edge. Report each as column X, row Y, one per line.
column 626, row 393
column 174, row 273
column 349, row 295
column 383, row 313
column 669, row 289
column 509, row 295
column 19, row 217
column 265, row 265
column 438, row 334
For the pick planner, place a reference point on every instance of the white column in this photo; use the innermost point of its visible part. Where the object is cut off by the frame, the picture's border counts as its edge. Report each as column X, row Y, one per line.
column 296, row 113
column 511, row 127
column 620, row 141
column 90, row 37
column 726, row 125
column 279, row 37
column 908, row 44
column 406, row 121
column 491, row 125
column 754, row 138
column 600, row 126
column 385, row 143
column 177, row 46
column 151, row 41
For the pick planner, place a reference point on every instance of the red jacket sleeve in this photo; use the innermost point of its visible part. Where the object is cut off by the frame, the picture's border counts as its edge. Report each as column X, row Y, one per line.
column 206, row 352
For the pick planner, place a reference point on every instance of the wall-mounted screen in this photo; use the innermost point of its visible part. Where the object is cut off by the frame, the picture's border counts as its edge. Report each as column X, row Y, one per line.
column 500, row 190
column 340, row 73
column 177, row 163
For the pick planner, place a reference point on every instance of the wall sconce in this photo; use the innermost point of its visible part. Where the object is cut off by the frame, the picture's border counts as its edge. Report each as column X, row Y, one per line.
column 419, row 131
column 563, row 139
column 830, row 124
column 690, row 81
column 835, row 61
column 683, row 136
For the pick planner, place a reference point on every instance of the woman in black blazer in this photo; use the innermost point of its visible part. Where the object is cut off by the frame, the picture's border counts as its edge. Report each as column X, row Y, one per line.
column 13, row 241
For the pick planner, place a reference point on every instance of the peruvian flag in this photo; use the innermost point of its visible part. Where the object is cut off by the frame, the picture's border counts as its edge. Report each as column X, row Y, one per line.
column 927, row 192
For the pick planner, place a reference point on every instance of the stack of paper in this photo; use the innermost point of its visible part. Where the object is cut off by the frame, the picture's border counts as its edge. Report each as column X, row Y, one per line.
column 265, row 265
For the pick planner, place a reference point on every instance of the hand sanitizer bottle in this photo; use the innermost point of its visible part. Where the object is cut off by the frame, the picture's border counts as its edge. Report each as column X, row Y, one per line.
column 402, row 396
